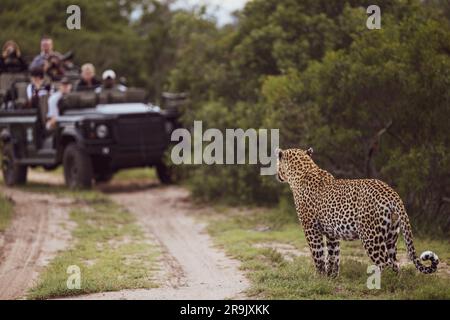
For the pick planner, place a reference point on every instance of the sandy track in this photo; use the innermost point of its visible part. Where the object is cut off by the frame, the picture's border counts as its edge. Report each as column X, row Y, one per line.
column 191, row 267
column 39, row 229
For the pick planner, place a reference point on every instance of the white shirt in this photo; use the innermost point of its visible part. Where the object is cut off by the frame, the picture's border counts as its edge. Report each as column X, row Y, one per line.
column 119, row 87
column 53, row 110
column 42, row 91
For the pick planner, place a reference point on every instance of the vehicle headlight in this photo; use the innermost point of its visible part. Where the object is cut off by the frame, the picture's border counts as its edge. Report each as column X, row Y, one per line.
column 102, row 131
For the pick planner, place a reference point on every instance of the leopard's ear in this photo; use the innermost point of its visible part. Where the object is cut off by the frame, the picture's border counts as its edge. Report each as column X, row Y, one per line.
column 310, row 151
column 279, row 153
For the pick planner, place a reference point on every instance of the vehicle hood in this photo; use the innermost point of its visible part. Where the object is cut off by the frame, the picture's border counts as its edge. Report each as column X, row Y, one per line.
column 126, row 108
column 115, row 109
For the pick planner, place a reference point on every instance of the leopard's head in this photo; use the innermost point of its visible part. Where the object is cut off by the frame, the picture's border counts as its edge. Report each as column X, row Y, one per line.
column 293, row 163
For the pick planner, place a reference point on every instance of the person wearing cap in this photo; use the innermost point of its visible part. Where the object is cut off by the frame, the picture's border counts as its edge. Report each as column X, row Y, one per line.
column 109, row 82
column 65, row 86
column 88, row 80
column 37, row 88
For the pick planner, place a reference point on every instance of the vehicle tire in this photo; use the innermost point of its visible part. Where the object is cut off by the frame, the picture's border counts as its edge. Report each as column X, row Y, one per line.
column 13, row 173
column 77, row 167
column 163, row 173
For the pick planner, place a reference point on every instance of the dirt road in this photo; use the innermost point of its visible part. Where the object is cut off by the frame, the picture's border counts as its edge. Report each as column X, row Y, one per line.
column 191, row 267
column 40, row 228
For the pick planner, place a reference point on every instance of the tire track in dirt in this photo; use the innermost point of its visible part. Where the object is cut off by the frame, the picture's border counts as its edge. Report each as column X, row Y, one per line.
column 191, row 268
column 34, row 237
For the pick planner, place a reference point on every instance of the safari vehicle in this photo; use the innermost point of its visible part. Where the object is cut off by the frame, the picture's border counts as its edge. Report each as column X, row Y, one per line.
column 96, row 136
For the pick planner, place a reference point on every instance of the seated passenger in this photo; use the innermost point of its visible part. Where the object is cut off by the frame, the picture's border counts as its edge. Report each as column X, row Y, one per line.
column 41, row 59
column 54, row 67
column 65, row 86
column 109, row 82
column 37, row 88
column 11, row 60
column 88, row 80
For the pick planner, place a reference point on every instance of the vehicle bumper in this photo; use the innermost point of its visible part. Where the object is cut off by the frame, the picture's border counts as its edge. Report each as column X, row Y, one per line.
column 119, row 156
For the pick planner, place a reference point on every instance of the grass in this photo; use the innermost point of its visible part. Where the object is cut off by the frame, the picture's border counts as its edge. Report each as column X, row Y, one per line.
column 6, row 208
column 6, row 212
column 244, row 234
column 109, row 248
column 87, row 197
column 139, row 174
column 127, row 175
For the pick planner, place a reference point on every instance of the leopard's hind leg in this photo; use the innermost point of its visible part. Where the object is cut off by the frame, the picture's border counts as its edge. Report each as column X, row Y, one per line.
column 377, row 252
column 392, row 231
column 375, row 245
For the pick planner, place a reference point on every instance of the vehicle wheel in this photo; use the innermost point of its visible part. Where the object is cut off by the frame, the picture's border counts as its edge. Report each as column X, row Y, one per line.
column 77, row 167
column 104, row 177
column 13, row 173
column 163, row 173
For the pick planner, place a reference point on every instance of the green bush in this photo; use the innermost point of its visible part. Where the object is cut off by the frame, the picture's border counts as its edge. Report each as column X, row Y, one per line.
column 372, row 103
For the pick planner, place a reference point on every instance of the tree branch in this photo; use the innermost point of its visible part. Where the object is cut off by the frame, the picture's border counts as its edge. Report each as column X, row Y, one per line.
column 373, row 148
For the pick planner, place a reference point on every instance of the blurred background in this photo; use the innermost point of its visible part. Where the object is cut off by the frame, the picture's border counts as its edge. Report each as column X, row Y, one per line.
column 372, row 103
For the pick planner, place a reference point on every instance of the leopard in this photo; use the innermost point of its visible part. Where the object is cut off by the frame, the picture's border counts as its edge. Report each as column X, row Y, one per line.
column 347, row 209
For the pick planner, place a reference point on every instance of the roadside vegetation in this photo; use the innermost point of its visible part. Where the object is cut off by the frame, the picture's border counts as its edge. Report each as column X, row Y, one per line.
column 6, row 208
column 372, row 103
column 128, row 175
column 108, row 246
column 275, row 256
column 6, row 212
column 136, row 175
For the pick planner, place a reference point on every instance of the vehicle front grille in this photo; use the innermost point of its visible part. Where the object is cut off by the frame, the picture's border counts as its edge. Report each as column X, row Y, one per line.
column 144, row 130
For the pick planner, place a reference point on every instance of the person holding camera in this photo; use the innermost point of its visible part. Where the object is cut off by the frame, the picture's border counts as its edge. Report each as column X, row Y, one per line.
column 41, row 60
column 11, row 60
column 53, row 67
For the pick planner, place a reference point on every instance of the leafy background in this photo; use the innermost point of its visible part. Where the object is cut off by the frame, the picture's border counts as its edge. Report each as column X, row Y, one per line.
column 372, row 103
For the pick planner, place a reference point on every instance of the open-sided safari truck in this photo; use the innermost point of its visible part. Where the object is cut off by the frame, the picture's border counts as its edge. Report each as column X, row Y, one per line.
column 97, row 134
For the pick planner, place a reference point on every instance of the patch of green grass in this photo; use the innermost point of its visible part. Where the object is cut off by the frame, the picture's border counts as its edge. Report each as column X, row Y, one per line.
column 6, row 212
column 109, row 248
column 86, row 196
column 243, row 235
column 138, row 174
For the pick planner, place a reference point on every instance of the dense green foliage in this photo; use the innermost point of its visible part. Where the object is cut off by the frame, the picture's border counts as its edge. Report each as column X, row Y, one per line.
column 372, row 103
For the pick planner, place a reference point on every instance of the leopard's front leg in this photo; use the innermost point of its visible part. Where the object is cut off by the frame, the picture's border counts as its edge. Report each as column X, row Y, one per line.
column 332, row 264
column 315, row 242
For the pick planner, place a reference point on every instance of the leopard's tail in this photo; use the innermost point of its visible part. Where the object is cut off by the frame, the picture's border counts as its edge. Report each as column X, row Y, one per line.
column 405, row 226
